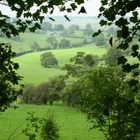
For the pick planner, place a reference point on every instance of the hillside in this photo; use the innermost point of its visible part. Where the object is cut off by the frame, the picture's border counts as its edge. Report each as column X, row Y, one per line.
column 33, row 72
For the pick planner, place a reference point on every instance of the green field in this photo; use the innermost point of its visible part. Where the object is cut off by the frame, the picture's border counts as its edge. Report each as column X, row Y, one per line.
column 72, row 124
column 26, row 40
column 33, row 72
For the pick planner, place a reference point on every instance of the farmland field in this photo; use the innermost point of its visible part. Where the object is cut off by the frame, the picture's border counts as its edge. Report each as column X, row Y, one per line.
column 33, row 72
column 73, row 124
column 26, row 39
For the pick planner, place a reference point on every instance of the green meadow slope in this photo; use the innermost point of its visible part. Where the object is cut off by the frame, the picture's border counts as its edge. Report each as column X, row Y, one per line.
column 72, row 123
column 33, row 72
column 26, row 40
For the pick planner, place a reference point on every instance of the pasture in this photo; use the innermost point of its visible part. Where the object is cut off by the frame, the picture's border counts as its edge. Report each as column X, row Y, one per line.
column 26, row 40
column 72, row 123
column 33, row 72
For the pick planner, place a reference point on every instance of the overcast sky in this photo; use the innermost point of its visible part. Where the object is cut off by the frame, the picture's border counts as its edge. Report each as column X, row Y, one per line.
column 91, row 7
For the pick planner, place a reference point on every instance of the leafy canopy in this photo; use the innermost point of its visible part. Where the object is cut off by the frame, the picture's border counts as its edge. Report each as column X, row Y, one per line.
column 115, row 12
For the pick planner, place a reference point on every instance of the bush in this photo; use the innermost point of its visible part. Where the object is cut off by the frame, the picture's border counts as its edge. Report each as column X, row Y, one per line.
column 44, row 127
column 48, row 60
column 27, row 90
column 35, row 46
column 36, row 95
column 32, row 126
column 49, row 129
column 64, row 43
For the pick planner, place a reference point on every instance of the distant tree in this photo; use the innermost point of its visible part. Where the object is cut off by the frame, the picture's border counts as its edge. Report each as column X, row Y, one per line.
column 100, row 40
column 88, row 30
column 64, row 43
column 39, row 94
column 58, row 27
column 27, row 91
column 46, row 26
column 112, row 31
column 112, row 55
column 35, row 46
column 85, row 60
column 55, row 86
column 71, row 94
column 48, row 60
column 51, row 40
column 74, row 27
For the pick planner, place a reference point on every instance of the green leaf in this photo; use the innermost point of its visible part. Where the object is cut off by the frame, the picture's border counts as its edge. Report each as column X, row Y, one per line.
column 111, row 41
column 103, row 22
column 97, row 33
column 133, row 82
column 73, row 6
column 122, row 60
column 79, row 1
column 51, row 18
column 66, row 17
column 82, row 10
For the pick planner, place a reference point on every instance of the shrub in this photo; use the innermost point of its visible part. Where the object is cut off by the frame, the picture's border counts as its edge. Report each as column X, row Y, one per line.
column 48, row 60
column 49, row 129
column 36, row 95
column 32, row 126
column 27, row 90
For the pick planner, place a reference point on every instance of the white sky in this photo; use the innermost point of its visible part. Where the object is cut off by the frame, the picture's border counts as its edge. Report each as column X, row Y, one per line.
column 91, row 7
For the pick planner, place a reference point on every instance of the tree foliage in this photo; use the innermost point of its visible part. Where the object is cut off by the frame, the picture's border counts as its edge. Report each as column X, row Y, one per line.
column 64, row 43
column 46, row 26
column 89, row 60
column 115, row 13
column 8, row 77
column 35, row 46
column 48, row 60
column 49, row 129
column 88, row 30
column 55, row 87
column 111, row 104
column 112, row 56
column 52, row 42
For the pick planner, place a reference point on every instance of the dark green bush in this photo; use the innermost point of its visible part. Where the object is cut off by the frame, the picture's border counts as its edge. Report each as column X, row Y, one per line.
column 49, row 129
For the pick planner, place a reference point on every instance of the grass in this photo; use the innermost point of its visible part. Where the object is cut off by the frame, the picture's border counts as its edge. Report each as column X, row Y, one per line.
column 72, row 123
column 28, row 38
column 33, row 72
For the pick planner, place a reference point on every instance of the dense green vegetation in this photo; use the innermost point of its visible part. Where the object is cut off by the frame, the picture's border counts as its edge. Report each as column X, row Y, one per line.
column 106, row 92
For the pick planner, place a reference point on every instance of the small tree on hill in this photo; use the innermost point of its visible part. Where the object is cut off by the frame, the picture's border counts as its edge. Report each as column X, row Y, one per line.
column 100, row 40
column 48, row 60
column 35, row 46
column 52, row 42
column 112, row 55
column 46, row 26
column 64, row 43
column 55, row 86
column 58, row 27
column 88, row 30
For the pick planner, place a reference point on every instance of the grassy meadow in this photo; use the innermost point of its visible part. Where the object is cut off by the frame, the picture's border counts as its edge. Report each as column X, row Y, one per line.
column 33, row 72
column 73, row 124
column 27, row 39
